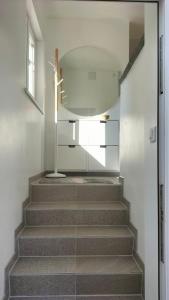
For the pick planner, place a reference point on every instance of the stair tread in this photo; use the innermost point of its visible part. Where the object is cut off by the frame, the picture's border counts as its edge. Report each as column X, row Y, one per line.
column 82, row 297
column 77, row 232
column 75, row 265
column 77, row 205
column 79, row 180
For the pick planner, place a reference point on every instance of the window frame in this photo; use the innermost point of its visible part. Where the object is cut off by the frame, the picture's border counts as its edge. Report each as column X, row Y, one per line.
column 31, row 34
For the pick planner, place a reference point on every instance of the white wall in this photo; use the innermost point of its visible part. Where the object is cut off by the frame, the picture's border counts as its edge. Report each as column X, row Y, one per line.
column 21, row 127
column 138, row 155
column 68, row 34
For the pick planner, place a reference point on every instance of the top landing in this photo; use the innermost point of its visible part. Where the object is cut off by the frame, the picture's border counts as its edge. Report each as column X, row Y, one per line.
column 80, row 180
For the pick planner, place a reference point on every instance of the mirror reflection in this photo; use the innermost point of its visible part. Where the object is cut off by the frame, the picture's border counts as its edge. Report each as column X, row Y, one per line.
column 91, row 81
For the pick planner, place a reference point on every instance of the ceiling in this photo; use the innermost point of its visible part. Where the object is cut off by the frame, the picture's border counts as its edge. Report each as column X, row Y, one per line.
column 89, row 58
column 133, row 12
column 96, row 10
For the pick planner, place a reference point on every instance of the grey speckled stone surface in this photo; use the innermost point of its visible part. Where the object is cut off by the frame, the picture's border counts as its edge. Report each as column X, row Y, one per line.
column 64, row 189
column 51, row 298
column 66, row 213
column 81, row 180
column 53, row 241
column 75, row 265
column 102, row 297
column 76, row 231
column 76, row 205
column 41, row 285
column 108, row 284
column 73, row 244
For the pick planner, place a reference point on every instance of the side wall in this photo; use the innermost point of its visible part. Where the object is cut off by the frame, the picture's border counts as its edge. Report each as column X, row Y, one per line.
column 139, row 156
column 68, row 34
column 21, row 127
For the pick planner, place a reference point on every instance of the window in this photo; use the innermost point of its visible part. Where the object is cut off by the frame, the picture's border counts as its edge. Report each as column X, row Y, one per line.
column 31, row 62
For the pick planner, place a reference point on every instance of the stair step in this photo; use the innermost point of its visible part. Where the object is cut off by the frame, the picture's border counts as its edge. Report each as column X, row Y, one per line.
column 55, row 192
column 99, row 275
column 75, row 240
column 76, row 213
column 90, row 297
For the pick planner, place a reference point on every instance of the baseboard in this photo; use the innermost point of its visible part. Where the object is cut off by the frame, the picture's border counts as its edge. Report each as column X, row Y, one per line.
column 131, row 226
column 15, row 256
column 68, row 173
column 7, row 271
column 36, row 177
column 137, row 258
column 16, row 232
column 142, row 267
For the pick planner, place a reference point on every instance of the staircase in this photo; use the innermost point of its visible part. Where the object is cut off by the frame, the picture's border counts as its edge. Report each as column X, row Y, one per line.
column 76, row 244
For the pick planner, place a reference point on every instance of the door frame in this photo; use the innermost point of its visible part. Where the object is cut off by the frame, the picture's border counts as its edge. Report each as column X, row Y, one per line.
column 165, row 17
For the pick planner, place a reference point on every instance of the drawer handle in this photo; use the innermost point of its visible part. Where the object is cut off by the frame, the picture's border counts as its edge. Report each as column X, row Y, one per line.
column 103, row 146
column 72, row 121
column 101, row 121
column 71, row 146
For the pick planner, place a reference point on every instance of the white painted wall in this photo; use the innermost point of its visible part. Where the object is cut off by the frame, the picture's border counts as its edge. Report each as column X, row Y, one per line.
column 68, row 34
column 138, row 156
column 21, row 127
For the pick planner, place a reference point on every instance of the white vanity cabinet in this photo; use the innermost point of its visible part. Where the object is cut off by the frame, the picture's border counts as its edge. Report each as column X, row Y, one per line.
column 88, row 145
column 88, row 112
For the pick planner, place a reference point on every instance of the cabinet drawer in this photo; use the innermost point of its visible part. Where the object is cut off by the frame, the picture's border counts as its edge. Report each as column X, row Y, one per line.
column 112, row 132
column 71, row 158
column 103, row 133
column 88, row 133
column 67, row 132
column 103, row 158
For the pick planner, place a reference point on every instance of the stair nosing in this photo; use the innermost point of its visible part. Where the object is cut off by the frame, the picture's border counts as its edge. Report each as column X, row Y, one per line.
column 35, row 184
column 44, row 206
column 74, row 261
column 75, row 235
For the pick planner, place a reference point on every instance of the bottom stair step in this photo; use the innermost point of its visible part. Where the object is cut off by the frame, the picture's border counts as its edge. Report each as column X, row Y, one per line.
column 90, row 275
column 95, row 297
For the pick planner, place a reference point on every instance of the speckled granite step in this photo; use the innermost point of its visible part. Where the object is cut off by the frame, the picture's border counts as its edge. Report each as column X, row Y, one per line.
column 99, row 275
column 75, row 240
column 76, row 213
column 97, row 297
column 76, row 244
column 65, row 190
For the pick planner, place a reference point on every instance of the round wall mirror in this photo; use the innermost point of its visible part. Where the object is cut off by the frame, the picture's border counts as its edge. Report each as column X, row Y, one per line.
column 91, row 81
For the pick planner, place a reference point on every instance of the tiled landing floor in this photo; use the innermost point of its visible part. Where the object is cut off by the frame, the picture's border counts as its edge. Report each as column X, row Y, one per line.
column 80, row 180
